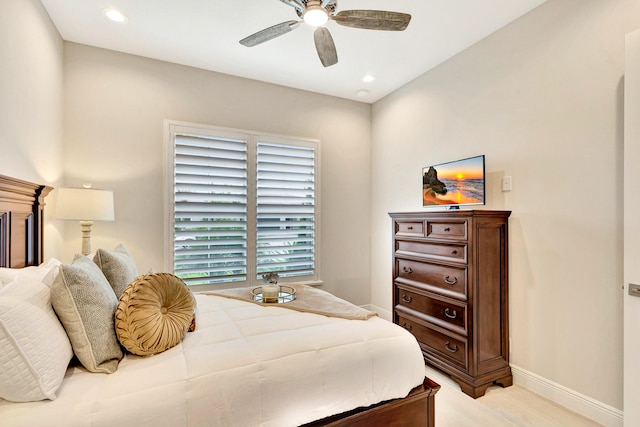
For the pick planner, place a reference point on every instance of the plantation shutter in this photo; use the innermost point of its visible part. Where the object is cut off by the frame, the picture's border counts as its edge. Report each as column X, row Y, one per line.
column 285, row 204
column 244, row 205
column 210, row 209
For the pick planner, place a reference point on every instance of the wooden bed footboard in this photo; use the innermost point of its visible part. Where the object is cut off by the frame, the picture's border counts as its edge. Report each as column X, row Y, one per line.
column 415, row 410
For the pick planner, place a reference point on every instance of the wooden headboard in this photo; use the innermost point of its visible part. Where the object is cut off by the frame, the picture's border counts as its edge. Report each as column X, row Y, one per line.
column 21, row 213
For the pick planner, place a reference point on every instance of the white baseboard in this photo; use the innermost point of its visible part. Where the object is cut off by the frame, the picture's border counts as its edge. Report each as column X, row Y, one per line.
column 571, row 399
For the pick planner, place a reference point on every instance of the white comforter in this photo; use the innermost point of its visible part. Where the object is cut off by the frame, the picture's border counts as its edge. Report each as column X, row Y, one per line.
column 245, row 365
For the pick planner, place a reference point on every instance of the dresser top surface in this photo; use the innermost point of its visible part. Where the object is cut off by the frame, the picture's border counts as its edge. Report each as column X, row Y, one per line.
column 451, row 213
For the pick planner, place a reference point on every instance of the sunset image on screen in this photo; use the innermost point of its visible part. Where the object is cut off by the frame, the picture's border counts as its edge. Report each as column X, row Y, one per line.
column 464, row 169
column 454, row 183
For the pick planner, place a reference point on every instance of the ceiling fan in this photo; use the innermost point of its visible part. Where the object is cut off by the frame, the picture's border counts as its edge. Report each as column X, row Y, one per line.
column 317, row 12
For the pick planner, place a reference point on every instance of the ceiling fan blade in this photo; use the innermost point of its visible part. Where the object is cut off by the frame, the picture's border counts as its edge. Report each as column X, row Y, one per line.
column 269, row 33
column 373, row 19
column 325, row 47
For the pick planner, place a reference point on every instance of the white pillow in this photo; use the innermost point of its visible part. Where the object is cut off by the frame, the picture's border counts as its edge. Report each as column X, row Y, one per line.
column 44, row 272
column 34, row 348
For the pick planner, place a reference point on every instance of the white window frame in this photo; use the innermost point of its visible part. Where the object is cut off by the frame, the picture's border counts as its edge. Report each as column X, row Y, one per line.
column 173, row 128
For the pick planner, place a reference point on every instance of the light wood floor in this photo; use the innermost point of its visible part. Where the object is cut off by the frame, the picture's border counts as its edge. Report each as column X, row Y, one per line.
column 499, row 407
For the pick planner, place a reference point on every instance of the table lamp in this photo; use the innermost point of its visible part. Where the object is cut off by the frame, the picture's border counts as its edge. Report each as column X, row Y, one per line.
column 85, row 205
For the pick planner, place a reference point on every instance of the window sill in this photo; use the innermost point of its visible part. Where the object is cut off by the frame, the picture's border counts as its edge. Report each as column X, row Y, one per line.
column 204, row 288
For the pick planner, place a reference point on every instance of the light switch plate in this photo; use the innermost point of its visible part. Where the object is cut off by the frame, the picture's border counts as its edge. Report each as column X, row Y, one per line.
column 506, row 183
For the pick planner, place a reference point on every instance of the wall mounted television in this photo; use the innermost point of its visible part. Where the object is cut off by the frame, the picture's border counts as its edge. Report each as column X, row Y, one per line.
column 454, row 184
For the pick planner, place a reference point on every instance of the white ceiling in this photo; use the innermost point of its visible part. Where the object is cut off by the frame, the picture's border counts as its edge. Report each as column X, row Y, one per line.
column 205, row 34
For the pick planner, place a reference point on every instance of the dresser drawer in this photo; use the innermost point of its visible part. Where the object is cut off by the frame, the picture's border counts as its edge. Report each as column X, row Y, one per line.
column 447, row 229
column 437, row 343
column 410, row 228
column 444, row 251
column 443, row 313
column 446, row 280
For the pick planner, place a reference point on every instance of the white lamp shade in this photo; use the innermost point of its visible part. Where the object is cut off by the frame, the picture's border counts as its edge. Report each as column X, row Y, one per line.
column 85, row 204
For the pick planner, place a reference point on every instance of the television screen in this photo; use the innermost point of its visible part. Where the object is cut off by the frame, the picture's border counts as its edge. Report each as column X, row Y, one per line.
column 456, row 183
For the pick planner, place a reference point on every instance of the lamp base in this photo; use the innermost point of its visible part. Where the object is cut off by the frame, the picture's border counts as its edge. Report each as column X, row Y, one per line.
column 85, row 227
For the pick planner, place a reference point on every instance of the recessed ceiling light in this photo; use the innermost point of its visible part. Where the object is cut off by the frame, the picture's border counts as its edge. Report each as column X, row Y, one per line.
column 368, row 78
column 362, row 92
column 114, row 15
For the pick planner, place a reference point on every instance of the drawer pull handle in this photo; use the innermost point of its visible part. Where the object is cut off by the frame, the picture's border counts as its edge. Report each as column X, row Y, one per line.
column 407, row 327
column 447, row 229
column 410, row 227
column 450, row 281
column 447, row 313
column 407, row 270
column 451, row 349
column 454, row 252
column 406, row 299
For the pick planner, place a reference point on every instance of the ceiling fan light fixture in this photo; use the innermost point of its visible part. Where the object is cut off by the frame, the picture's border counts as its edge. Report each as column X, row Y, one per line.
column 315, row 16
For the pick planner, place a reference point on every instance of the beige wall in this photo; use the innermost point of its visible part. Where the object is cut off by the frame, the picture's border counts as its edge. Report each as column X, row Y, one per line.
column 115, row 105
column 31, row 101
column 542, row 99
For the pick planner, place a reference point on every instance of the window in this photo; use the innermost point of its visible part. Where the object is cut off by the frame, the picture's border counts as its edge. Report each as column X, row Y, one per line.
column 243, row 205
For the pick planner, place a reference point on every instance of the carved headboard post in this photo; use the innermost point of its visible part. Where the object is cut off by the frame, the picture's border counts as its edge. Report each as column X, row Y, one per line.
column 38, row 214
column 21, row 222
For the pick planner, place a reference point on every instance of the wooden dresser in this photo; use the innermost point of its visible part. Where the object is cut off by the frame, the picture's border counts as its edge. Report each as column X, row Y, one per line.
column 450, row 289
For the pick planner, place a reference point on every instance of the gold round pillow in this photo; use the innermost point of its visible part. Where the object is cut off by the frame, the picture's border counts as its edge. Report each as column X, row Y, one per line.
column 153, row 313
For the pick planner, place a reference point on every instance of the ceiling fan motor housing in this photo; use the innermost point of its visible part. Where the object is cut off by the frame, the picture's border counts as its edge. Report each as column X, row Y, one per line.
column 329, row 8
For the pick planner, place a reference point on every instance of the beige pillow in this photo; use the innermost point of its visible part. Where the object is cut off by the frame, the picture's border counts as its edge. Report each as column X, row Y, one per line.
column 85, row 303
column 154, row 313
column 118, row 266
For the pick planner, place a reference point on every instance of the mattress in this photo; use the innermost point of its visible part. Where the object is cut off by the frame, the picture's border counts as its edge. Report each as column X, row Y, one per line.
column 245, row 365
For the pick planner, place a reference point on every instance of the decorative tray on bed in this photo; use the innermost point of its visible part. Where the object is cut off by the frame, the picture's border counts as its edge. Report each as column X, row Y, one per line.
column 285, row 294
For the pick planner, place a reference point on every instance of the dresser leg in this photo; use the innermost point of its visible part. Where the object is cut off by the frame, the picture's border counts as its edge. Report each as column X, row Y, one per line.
column 474, row 392
column 479, row 391
column 505, row 381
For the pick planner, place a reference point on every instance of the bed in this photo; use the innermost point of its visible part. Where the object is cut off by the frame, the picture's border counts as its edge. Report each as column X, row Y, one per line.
column 246, row 364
